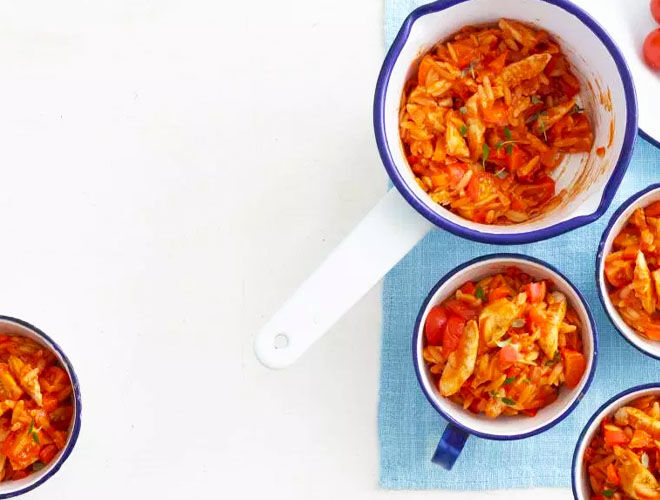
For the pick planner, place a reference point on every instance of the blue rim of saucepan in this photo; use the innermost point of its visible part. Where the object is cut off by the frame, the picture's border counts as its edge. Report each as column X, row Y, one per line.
column 76, row 424
column 597, row 414
column 600, row 257
column 485, row 237
column 417, row 329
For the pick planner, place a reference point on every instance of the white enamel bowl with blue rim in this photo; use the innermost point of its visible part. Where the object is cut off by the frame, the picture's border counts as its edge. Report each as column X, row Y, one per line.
column 579, row 475
column 617, row 222
column 463, row 423
column 407, row 213
column 13, row 326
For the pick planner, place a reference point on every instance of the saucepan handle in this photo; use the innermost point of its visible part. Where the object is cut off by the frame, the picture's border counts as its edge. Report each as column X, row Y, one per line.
column 378, row 242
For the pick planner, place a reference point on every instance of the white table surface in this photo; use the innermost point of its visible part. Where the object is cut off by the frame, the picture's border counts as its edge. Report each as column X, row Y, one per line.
column 172, row 170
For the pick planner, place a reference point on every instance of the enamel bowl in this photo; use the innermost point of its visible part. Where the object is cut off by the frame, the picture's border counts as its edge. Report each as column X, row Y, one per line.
column 13, row 326
column 463, row 423
column 579, row 476
column 618, row 220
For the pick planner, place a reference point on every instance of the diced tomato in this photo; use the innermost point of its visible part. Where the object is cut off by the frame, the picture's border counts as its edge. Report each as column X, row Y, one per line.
column 653, row 210
column 481, row 184
column 531, row 413
column 49, row 402
column 496, row 114
column 516, row 159
column 468, row 288
column 568, row 89
column 464, row 53
column 498, row 293
column 574, row 366
column 619, row 272
column 456, row 172
column 497, row 64
column 424, row 66
column 614, row 436
column 535, row 291
column 435, row 324
column 461, row 309
column 536, row 316
column 452, row 334
column 507, row 356
column 600, row 151
column 47, row 453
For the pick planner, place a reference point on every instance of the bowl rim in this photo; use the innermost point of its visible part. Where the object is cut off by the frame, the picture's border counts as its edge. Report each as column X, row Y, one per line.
column 75, row 431
column 600, row 258
column 439, row 220
column 567, row 410
column 597, row 414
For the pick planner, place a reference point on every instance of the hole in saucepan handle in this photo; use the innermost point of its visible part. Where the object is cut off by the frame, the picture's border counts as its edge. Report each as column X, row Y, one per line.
column 281, row 341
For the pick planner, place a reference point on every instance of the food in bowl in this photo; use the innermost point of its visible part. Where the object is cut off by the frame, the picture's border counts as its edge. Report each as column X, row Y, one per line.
column 36, row 407
column 632, row 271
column 622, row 459
column 488, row 117
column 504, row 345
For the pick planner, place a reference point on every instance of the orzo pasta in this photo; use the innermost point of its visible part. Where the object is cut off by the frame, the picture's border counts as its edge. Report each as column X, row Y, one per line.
column 623, row 458
column 486, row 119
column 35, row 407
column 632, row 271
column 504, row 345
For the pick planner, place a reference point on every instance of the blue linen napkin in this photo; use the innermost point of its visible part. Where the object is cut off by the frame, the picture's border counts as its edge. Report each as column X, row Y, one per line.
column 409, row 428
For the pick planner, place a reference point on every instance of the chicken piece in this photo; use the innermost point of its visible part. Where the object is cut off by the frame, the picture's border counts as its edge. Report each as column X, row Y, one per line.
column 638, row 419
column 656, row 282
column 644, row 289
column 28, row 377
column 496, row 318
column 460, row 363
column 519, row 32
column 9, row 389
column 554, row 314
column 552, row 115
column 456, row 145
column 475, row 127
column 526, row 68
column 636, row 480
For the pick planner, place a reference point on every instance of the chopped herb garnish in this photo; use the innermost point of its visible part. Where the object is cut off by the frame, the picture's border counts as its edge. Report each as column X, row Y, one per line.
column 550, row 362
column 509, row 149
column 608, row 493
column 554, row 360
column 485, row 153
column 38, row 466
column 536, row 99
column 494, row 394
column 470, row 68
column 463, row 130
column 479, row 293
column 463, row 110
column 509, row 402
column 577, row 109
column 502, row 173
column 507, row 133
column 509, row 380
column 33, row 432
column 518, row 323
column 527, row 381
column 508, row 144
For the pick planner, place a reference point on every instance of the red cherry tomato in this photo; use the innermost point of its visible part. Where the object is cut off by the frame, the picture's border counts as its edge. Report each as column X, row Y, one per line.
column 461, row 309
column 655, row 10
column 435, row 324
column 452, row 334
column 652, row 49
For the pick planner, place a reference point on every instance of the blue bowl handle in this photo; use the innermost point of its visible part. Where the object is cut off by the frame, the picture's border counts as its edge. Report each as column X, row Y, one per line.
column 450, row 446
